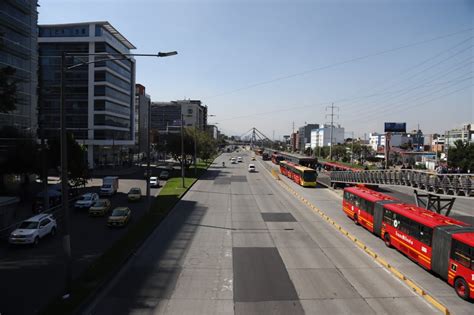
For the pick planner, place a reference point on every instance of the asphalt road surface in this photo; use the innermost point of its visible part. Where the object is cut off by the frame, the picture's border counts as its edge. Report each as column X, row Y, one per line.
column 330, row 202
column 32, row 276
column 239, row 243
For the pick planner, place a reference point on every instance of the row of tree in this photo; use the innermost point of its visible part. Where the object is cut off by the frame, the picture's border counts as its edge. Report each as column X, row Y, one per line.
column 23, row 155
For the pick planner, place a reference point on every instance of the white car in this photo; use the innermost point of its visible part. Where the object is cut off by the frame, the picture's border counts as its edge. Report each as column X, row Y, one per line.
column 154, row 182
column 86, row 201
column 252, row 168
column 239, row 159
column 32, row 230
column 233, row 161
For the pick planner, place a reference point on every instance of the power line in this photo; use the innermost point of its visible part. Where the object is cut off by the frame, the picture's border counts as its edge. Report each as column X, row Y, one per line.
column 338, row 63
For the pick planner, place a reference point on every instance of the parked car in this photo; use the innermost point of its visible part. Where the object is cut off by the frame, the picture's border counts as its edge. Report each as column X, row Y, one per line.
column 100, row 207
column 251, row 168
column 32, row 230
column 86, row 201
column 119, row 217
column 154, row 182
column 164, row 175
column 134, row 194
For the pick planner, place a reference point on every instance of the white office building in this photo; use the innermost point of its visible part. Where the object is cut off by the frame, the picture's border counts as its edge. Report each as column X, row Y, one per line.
column 99, row 96
column 321, row 137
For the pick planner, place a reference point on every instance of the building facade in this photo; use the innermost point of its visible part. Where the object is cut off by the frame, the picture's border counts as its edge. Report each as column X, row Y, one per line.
column 19, row 50
column 166, row 116
column 465, row 134
column 213, row 131
column 99, row 95
column 142, row 106
column 321, row 137
column 304, row 133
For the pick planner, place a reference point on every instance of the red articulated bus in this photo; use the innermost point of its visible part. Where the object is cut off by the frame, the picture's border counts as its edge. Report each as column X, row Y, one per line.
column 437, row 243
column 334, row 166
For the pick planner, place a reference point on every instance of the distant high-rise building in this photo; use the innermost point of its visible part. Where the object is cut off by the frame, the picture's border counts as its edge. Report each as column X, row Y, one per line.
column 142, row 106
column 305, row 136
column 166, row 116
column 18, row 49
column 99, row 96
column 321, row 137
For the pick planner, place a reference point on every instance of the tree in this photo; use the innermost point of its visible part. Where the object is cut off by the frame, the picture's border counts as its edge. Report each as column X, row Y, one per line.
column 78, row 170
column 339, row 153
column 462, row 156
column 22, row 153
column 8, row 89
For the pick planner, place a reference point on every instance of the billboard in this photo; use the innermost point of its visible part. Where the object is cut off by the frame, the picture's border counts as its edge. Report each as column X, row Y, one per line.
column 395, row 127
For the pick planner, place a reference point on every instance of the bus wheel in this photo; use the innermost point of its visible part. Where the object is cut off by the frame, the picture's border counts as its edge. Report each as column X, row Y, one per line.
column 386, row 239
column 462, row 289
column 356, row 221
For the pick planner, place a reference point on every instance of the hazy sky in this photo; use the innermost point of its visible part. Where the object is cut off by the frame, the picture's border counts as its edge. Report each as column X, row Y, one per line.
column 267, row 64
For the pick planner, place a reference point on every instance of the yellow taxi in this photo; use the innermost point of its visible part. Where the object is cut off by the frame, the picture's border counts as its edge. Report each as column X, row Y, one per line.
column 134, row 194
column 253, row 158
column 119, row 217
column 100, row 208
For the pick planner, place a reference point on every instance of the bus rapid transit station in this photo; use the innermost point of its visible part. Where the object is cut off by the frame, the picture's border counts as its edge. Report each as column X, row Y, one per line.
column 437, row 243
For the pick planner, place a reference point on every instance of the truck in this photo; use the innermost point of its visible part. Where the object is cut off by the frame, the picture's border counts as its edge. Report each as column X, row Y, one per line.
column 110, row 185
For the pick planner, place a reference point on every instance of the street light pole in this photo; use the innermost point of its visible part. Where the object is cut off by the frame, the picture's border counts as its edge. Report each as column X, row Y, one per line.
column 195, row 153
column 182, row 149
column 148, row 157
column 64, row 183
column 63, row 140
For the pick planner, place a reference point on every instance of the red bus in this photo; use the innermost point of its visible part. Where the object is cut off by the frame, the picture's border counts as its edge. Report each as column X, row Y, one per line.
column 437, row 243
column 276, row 158
column 359, row 203
column 301, row 175
column 334, row 166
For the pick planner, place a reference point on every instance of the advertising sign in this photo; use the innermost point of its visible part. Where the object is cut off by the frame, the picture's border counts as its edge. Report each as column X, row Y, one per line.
column 395, row 127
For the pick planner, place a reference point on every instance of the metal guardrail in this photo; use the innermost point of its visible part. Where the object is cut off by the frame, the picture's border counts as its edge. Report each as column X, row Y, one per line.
column 447, row 184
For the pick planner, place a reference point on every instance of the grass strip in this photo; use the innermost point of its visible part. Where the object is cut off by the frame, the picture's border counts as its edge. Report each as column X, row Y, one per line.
column 110, row 262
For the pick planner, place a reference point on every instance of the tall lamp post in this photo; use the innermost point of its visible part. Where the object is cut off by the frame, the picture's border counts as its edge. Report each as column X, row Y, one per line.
column 63, row 141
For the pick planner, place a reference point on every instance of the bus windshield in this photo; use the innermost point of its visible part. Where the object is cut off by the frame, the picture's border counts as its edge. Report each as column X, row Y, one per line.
column 309, row 176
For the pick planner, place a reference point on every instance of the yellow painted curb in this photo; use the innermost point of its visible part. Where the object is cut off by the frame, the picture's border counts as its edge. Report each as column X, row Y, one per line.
column 412, row 285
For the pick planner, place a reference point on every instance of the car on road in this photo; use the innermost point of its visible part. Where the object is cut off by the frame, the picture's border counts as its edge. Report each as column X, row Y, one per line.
column 239, row 159
column 32, row 230
column 251, row 168
column 119, row 217
column 154, row 182
column 100, row 208
column 233, row 161
column 253, row 158
column 86, row 201
column 134, row 194
column 164, row 175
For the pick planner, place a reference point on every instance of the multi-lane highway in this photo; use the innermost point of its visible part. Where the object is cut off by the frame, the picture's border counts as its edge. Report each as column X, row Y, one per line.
column 239, row 243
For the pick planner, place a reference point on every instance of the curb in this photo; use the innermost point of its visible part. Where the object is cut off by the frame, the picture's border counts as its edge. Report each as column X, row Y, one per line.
column 410, row 283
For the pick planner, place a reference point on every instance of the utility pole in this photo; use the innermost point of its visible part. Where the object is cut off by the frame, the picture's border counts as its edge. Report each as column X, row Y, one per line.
column 332, row 107
column 148, row 170
column 65, row 182
column 352, row 149
column 182, row 149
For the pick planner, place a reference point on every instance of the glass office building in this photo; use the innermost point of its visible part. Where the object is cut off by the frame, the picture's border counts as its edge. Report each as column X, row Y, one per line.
column 99, row 95
column 18, row 49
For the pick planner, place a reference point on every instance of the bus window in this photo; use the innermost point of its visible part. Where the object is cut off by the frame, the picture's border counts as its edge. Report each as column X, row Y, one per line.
column 425, row 234
column 367, row 206
column 357, row 201
column 461, row 253
column 309, row 176
column 389, row 216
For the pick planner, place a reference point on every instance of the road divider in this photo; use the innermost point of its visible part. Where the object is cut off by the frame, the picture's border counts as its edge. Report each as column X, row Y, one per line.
column 410, row 283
